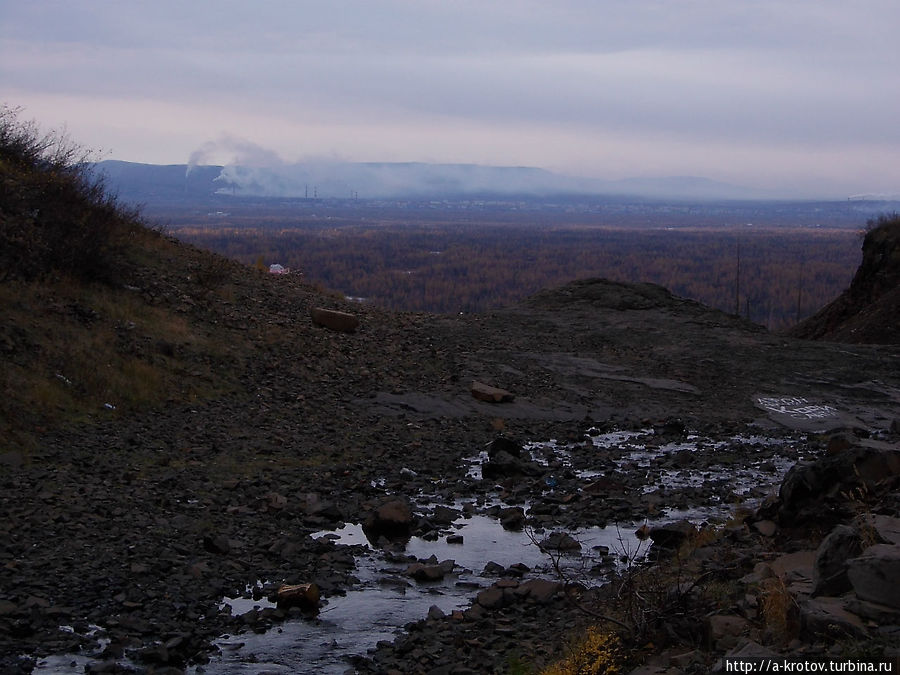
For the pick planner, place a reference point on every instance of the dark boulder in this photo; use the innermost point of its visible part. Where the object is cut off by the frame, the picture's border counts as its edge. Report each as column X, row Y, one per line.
column 560, row 542
column 489, row 394
column 830, row 568
column 504, row 465
column 875, row 575
column 392, row 519
column 512, row 518
column 429, row 572
column 305, row 596
column 217, row 544
column 671, row 427
column 818, row 491
column 504, row 444
column 492, row 598
column 444, row 515
column 670, row 536
column 342, row 322
column 539, row 591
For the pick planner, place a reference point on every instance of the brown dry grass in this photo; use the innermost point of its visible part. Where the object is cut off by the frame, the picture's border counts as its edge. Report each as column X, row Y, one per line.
column 74, row 351
column 92, row 301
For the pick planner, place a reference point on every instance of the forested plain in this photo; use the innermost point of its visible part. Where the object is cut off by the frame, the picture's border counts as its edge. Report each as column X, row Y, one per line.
column 772, row 263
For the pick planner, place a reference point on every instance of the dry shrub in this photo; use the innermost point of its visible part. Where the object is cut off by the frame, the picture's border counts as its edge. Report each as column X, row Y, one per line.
column 779, row 610
column 58, row 216
column 861, row 499
column 705, row 536
column 599, row 652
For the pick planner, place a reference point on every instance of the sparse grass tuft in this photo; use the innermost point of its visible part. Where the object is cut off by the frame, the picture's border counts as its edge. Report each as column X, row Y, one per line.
column 69, row 348
column 861, row 499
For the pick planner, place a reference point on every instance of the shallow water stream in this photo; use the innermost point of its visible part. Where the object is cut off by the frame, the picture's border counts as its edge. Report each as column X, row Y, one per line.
column 385, row 599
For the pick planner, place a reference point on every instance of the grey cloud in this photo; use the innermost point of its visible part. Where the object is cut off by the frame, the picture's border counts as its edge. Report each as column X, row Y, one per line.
column 810, row 73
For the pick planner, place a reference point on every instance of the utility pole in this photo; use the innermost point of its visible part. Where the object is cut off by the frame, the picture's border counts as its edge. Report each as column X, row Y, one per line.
column 737, row 280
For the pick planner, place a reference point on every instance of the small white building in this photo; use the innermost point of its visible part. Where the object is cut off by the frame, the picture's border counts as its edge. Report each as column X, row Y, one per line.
column 278, row 269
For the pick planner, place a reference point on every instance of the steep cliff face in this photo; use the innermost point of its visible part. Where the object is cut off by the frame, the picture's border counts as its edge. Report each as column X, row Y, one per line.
column 869, row 310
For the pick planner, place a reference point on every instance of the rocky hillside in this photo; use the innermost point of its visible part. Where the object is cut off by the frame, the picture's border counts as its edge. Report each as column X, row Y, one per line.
column 95, row 306
column 869, row 310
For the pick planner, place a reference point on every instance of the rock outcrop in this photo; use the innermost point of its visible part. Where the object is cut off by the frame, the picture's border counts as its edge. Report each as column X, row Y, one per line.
column 816, row 491
column 869, row 310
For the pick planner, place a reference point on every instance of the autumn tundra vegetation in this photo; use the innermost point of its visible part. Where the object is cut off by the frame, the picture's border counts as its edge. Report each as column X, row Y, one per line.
column 448, row 261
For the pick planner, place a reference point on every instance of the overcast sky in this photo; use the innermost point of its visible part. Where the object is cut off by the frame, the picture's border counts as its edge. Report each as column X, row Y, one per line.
column 799, row 95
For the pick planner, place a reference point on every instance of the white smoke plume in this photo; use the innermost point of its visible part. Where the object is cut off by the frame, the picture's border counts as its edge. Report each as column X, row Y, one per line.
column 236, row 152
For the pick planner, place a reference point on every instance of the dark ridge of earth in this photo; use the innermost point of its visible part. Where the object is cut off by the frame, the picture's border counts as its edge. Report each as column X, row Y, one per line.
column 869, row 310
column 142, row 524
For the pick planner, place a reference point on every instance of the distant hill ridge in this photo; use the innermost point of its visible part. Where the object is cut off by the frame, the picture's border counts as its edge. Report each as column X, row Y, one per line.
column 376, row 180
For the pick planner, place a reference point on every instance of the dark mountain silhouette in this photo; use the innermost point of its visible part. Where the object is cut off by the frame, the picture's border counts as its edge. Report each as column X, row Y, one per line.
column 152, row 183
